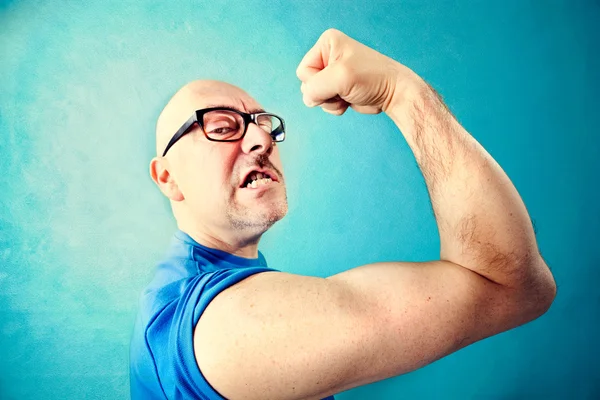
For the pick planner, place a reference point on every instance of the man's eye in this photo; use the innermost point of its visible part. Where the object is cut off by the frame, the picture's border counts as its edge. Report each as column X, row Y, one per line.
column 221, row 131
column 221, row 127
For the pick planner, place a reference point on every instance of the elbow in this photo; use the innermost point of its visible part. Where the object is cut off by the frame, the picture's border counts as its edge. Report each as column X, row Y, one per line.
column 536, row 291
column 544, row 296
column 550, row 291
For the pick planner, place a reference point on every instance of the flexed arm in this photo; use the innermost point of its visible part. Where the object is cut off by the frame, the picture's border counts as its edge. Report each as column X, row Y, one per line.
column 483, row 223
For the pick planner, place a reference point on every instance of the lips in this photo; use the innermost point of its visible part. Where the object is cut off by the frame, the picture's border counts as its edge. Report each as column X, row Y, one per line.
column 270, row 173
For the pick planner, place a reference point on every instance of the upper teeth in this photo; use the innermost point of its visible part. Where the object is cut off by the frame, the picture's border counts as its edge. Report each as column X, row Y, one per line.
column 258, row 178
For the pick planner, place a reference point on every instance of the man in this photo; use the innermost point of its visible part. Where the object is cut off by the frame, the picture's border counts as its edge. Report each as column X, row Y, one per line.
column 218, row 323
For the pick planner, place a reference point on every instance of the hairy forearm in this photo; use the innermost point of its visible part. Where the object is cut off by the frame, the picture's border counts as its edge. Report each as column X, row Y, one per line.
column 482, row 221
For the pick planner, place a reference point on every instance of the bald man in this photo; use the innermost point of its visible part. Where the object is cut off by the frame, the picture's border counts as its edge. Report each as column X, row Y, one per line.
column 216, row 322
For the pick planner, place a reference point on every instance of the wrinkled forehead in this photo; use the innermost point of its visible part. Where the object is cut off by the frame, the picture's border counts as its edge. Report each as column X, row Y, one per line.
column 222, row 95
column 191, row 98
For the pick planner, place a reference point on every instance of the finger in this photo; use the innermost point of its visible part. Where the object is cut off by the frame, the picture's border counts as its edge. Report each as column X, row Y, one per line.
column 322, row 86
column 328, row 104
column 336, row 106
column 302, row 86
column 317, row 58
column 311, row 63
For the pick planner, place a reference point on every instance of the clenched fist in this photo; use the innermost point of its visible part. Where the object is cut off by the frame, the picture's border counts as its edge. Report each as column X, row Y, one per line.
column 338, row 72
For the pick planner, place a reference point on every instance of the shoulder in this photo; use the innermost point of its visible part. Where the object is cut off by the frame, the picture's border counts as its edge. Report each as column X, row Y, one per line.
column 166, row 330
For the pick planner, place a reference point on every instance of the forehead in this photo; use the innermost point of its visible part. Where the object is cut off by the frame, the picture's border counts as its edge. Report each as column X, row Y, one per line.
column 221, row 96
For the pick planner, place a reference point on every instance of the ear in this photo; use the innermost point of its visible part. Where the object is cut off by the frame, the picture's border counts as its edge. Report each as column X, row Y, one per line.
column 159, row 172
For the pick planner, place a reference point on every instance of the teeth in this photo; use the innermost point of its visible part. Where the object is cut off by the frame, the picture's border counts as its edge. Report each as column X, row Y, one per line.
column 259, row 182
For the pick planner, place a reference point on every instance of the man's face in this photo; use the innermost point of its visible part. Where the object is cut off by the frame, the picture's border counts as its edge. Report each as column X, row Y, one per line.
column 211, row 175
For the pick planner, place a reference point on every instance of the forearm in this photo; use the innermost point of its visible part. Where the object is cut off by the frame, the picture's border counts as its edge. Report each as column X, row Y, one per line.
column 482, row 221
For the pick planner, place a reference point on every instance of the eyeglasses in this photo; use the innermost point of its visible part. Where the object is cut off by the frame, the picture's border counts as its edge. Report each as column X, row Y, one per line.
column 222, row 124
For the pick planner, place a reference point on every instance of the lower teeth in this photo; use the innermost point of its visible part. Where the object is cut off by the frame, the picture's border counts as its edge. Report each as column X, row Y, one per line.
column 255, row 184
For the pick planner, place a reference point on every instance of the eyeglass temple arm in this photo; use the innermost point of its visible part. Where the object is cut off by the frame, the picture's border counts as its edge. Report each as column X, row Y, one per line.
column 182, row 131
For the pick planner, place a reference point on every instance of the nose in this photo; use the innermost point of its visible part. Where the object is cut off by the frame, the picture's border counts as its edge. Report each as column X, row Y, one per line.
column 257, row 140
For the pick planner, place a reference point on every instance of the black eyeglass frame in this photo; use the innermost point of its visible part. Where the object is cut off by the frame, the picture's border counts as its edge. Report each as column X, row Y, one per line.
column 198, row 115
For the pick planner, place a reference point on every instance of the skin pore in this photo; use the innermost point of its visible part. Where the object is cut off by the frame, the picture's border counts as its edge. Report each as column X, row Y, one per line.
column 202, row 178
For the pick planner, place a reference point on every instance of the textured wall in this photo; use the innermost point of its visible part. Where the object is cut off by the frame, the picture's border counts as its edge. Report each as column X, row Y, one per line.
column 81, row 224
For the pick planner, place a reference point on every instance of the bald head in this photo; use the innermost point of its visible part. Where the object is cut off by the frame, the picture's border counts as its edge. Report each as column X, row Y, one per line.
column 205, row 181
column 191, row 97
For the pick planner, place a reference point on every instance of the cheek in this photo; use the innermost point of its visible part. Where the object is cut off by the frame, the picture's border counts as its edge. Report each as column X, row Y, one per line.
column 211, row 176
column 211, row 183
column 196, row 181
column 206, row 194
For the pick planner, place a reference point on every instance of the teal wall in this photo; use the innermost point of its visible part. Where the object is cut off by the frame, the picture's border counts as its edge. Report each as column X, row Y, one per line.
column 81, row 223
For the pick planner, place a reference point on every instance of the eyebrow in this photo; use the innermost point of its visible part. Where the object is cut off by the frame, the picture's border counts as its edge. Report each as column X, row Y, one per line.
column 252, row 111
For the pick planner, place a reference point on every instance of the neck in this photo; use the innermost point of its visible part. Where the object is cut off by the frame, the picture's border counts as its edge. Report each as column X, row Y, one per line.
column 241, row 247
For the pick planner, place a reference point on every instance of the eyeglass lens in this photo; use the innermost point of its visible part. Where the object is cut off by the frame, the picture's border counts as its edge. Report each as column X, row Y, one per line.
column 228, row 125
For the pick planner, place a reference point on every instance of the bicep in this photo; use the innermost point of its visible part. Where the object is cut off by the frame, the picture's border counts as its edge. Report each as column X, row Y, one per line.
column 274, row 336
column 279, row 335
column 412, row 314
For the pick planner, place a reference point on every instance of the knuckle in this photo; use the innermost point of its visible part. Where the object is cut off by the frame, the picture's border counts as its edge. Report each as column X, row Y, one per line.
column 332, row 34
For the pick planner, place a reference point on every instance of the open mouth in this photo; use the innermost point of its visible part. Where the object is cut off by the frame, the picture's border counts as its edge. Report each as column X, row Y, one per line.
column 256, row 179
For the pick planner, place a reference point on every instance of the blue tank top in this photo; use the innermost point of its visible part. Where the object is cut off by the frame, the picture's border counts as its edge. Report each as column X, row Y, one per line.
column 162, row 361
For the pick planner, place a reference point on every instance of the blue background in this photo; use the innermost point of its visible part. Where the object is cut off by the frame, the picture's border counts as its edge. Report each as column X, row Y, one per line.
column 82, row 225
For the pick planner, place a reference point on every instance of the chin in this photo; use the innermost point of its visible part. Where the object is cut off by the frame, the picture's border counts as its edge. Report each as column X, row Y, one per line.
column 258, row 220
column 273, row 214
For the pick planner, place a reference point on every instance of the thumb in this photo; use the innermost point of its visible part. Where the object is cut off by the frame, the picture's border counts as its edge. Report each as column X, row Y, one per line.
column 322, row 86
